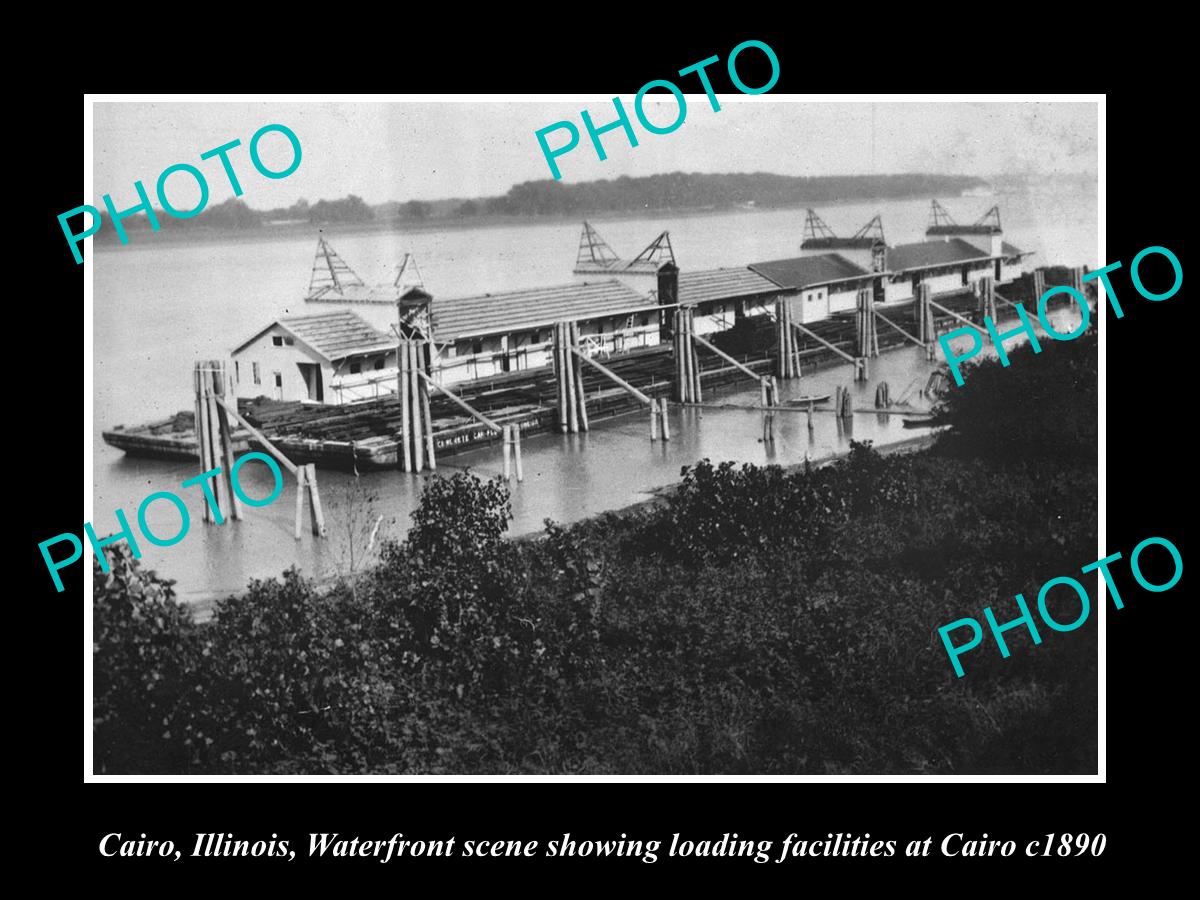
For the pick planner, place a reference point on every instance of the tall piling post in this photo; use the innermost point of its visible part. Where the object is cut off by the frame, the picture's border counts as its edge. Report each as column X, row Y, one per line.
column 424, row 351
column 677, row 347
column 570, row 370
column 1039, row 285
column 927, row 329
column 418, row 436
column 697, row 388
column 221, row 390
column 201, row 429
column 402, row 389
column 788, row 365
column 580, row 392
column 664, row 421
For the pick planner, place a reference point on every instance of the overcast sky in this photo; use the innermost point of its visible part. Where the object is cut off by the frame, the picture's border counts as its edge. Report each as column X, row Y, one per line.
column 427, row 151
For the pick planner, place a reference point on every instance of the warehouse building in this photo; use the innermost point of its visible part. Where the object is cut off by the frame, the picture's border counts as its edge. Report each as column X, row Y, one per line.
column 329, row 357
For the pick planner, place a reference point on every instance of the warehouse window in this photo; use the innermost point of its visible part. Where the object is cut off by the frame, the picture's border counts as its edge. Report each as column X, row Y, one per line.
column 277, row 340
column 257, row 373
column 378, row 364
column 477, row 347
column 355, row 368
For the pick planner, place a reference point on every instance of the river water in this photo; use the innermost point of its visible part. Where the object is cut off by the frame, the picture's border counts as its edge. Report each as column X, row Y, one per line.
column 160, row 305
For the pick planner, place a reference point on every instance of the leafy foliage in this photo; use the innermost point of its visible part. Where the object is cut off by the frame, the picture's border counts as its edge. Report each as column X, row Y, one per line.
column 759, row 620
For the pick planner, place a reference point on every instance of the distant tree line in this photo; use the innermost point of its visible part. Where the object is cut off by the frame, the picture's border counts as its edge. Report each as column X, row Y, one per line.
column 682, row 190
column 676, row 190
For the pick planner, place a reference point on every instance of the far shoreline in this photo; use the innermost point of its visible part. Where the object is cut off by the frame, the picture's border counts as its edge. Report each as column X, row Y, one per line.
column 201, row 236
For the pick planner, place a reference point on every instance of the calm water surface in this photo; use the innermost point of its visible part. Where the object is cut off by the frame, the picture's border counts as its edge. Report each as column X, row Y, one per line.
column 160, row 306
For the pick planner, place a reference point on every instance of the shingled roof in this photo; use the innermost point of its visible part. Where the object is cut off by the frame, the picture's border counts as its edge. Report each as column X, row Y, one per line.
column 532, row 308
column 723, row 284
column 333, row 335
column 807, row 271
column 932, row 253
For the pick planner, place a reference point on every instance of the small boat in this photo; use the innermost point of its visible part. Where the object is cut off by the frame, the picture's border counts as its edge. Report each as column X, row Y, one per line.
column 804, row 401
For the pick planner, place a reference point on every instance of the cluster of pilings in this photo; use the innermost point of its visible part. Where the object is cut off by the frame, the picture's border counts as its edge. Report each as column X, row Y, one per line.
column 215, row 408
column 985, row 290
column 568, row 373
column 416, row 424
column 789, row 354
column 687, row 374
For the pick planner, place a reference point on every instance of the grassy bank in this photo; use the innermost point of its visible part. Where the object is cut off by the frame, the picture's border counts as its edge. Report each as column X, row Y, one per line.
column 756, row 620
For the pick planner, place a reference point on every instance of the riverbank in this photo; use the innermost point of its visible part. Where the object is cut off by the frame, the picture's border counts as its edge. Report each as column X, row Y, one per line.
column 755, row 620
column 202, row 610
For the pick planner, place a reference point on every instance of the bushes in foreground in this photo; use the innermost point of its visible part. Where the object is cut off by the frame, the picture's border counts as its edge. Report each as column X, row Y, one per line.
column 758, row 621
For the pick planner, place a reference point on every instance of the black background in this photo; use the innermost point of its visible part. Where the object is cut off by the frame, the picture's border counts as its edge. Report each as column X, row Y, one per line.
column 1148, row 758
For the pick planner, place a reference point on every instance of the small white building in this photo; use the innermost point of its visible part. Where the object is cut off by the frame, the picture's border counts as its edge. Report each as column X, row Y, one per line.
column 331, row 357
column 820, row 285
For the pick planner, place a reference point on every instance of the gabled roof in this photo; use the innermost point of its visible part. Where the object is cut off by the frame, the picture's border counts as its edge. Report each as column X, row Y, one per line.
column 333, row 335
column 533, row 308
column 1009, row 250
column 807, row 271
column 932, row 253
column 722, row 284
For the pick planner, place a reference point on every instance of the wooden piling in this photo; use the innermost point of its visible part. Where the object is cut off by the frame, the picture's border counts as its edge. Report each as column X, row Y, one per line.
column 423, row 389
column 301, row 477
column 507, row 435
column 579, row 388
column 235, row 505
column 418, row 439
column 653, row 421
column 562, row 361
column 314, row 499
column 405, row 417
column 697, row 389
column 666, row 424
column 516, row 433
column 202, row 426
column 689, row 356
column 572, row 399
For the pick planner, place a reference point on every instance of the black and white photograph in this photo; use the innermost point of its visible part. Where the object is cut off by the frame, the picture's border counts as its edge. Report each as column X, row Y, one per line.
column 533, row 436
